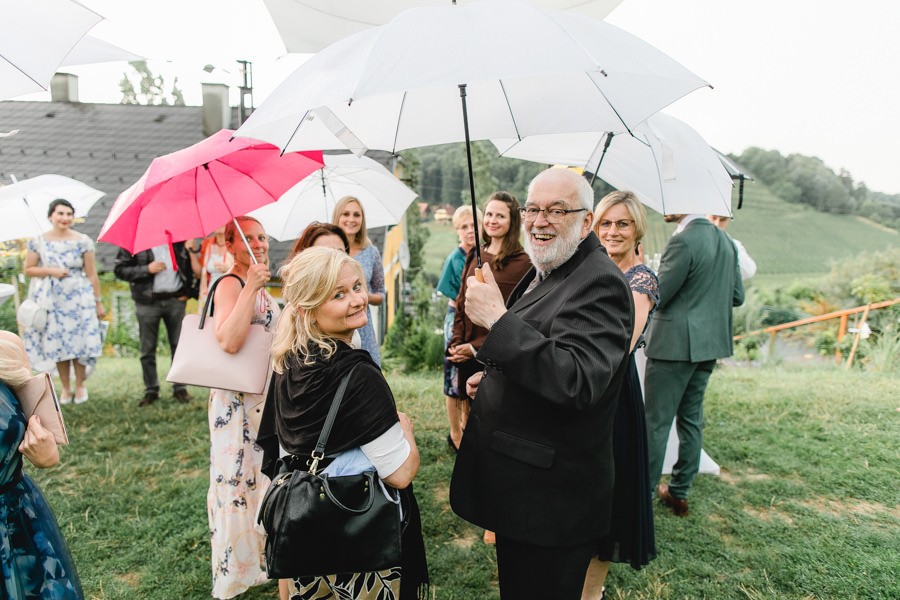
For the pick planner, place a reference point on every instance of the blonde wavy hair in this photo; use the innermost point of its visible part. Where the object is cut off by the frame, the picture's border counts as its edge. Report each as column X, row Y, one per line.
column 632, row 204
column 14, row 370
column 361, row 238
column 309, row 280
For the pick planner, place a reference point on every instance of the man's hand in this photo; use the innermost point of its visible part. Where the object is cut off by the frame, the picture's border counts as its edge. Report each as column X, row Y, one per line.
column 157, row 266
column 472, row 383
column 484, row 302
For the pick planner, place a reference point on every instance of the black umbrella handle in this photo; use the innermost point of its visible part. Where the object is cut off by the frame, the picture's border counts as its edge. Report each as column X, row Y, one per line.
column 462, row 97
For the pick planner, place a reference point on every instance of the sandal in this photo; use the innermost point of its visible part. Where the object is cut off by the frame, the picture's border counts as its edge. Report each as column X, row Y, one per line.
column 81, row 395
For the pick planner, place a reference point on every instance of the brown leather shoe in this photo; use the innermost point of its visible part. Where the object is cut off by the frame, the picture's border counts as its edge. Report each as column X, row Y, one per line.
column 181, row 396
column 149, row 398
column 679, row 506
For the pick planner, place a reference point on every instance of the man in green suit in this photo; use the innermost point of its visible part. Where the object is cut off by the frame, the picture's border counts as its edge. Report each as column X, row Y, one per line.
column 699, row 282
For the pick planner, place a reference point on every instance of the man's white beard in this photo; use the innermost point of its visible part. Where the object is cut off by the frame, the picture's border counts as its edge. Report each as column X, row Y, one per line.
column 554, row 255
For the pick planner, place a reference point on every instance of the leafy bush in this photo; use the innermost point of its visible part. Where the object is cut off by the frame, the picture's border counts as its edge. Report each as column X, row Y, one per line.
column 416, row 337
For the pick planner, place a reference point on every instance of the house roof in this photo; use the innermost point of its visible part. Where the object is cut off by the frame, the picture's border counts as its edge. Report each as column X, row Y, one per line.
column 108, row 147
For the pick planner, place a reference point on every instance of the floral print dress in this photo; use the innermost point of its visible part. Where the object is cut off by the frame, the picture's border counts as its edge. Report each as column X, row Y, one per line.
column 370, row 259
column 73, row 330
column 34, row 559
column 237, row 484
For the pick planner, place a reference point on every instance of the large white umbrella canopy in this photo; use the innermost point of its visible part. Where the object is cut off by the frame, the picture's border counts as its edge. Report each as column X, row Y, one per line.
column 24, row 204
column 91, row 50
column 384, row 198
column 666, row 163
column 36, row 36
column 527, row 71
column 310, row 25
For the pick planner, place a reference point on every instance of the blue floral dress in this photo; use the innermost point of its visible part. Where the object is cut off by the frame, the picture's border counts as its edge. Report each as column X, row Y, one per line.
column 370, row 259
column 34, row 559
column 73, row 330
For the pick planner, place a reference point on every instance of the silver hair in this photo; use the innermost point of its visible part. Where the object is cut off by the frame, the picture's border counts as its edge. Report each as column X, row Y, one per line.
column 584, row 193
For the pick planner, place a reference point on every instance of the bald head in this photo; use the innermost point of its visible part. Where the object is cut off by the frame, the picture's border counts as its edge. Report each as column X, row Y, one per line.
column 567, row 184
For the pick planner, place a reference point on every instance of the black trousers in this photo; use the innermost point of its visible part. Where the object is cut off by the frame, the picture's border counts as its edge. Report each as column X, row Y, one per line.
column 170, row 311
column 529, row 572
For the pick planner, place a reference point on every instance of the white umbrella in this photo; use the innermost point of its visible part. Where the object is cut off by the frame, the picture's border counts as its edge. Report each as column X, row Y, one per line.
column 24, row 204
column 398, row 86
column 91, row 50
column 406, row 84
column 36, row 36
column 666, row 163
column 384, row 198
column 310, row 25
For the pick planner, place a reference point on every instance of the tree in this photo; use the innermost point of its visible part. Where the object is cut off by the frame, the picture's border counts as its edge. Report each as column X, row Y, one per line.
column 152, row 87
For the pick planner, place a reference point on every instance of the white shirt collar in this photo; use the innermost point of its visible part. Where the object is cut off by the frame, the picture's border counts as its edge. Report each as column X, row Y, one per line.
column 685, row 221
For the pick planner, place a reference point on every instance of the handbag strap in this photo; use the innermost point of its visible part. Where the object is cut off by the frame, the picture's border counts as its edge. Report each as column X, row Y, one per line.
column 210, row 307
column 319, row 452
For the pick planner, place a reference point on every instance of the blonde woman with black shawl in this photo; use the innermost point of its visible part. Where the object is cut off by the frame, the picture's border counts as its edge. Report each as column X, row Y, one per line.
column 326, row 299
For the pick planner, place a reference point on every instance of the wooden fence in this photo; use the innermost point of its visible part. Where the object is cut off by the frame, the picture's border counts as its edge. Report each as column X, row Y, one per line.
column 843, row 315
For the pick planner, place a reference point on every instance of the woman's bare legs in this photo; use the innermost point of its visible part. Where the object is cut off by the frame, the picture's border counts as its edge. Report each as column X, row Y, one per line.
column 593, row 580
column 80, row 376
column 65, row 382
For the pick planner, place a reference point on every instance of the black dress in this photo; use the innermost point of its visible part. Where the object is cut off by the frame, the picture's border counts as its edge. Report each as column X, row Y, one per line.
column 631, row 538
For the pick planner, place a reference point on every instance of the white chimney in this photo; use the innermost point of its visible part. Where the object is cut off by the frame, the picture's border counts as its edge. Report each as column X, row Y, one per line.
column 216, row 111
column 64, row 88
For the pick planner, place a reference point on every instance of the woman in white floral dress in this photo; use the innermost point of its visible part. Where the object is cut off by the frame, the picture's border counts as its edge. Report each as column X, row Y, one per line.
column 237, row 484
column 70, row 289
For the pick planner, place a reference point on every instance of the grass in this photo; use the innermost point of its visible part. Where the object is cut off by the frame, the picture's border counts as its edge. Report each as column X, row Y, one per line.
column 442, row 239
column 806, row 507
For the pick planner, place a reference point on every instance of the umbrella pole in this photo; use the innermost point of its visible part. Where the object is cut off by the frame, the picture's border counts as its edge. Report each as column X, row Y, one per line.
column 609, row 137
column 462, row 97
column 244, row 239
column 233, row 218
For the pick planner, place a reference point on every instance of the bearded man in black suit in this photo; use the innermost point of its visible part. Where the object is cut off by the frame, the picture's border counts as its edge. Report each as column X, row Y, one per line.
column 535, row 464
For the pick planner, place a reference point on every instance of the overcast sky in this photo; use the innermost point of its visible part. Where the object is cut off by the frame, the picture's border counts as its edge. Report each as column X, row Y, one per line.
column 818, row 77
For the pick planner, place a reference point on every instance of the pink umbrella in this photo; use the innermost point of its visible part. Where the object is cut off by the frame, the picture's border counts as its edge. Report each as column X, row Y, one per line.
column 192, row 192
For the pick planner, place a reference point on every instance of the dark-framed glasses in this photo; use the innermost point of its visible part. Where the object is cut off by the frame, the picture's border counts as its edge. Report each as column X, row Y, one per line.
column 623, row 225
column 553, row 216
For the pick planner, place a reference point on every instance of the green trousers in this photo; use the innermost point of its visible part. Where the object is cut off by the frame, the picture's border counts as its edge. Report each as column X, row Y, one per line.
column 674, row 390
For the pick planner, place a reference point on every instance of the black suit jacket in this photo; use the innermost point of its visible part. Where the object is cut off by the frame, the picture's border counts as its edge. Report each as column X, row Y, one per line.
column 535, row 463
column 133, row 269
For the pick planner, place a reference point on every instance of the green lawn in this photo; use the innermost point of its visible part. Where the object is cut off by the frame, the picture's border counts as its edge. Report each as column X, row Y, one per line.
column 806, row 507
column 442, row 239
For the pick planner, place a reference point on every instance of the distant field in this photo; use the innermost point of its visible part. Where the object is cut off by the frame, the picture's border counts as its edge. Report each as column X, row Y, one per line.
column 441, row 241
column 788, row 242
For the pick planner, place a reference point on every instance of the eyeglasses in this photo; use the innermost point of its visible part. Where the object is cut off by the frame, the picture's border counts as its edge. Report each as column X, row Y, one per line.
column 623, row 225
column 554, row 216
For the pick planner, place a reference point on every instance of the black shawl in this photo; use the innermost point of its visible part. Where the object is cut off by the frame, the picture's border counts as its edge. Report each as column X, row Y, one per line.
column 295, row 411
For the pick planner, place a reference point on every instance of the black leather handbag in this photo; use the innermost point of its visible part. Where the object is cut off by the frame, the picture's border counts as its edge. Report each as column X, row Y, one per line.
column 318, row 524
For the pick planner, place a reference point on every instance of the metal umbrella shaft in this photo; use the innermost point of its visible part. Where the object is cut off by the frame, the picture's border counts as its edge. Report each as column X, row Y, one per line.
column 233, row 218
column 462, row 97
column 609, row 137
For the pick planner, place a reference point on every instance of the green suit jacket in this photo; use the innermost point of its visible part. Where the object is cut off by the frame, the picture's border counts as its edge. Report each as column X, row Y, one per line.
column 699, row 282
